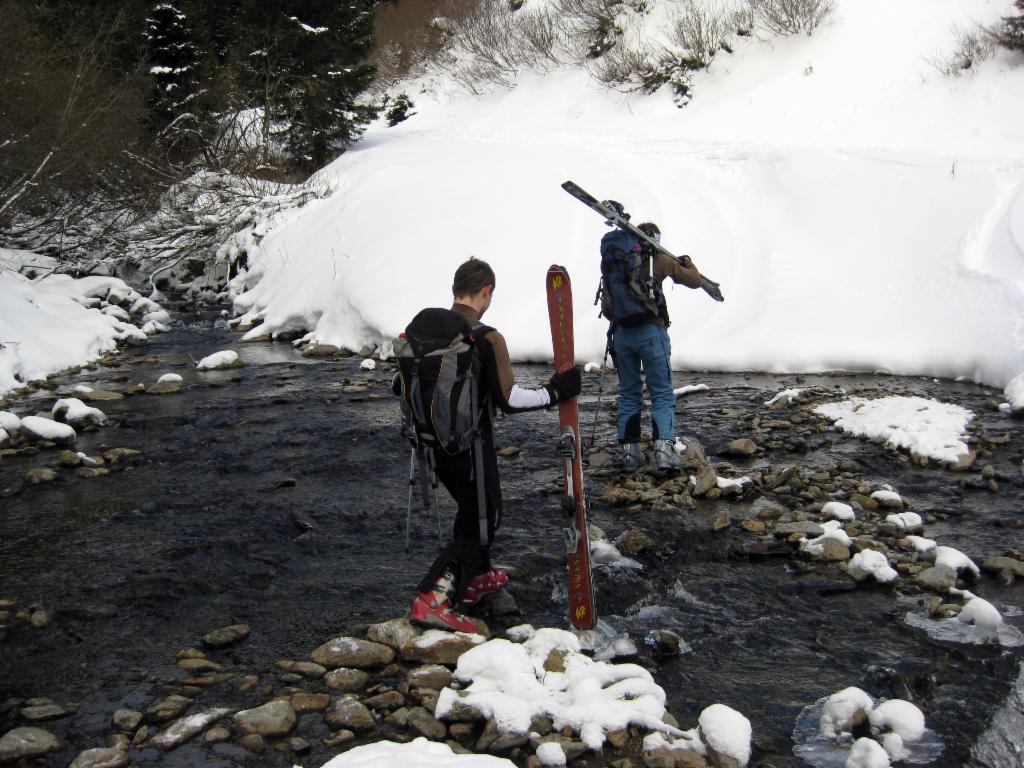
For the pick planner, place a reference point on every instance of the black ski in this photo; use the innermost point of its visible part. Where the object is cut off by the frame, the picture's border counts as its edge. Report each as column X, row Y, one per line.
column 612, row 218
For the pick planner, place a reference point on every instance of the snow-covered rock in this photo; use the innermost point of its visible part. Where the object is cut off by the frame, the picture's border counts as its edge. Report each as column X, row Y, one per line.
column 838, row 511
column 368, row 365
column 869, row 563
column 45, row 429
column 9, row 421
column 984, row 616
column 955, row 559
column 867, row 753
column 418, row 753
column 841, row 709
column 906, row 521
column 71, row 410
column 170, row 378
column 726, row 732
column 899, row 724
column 226, row 359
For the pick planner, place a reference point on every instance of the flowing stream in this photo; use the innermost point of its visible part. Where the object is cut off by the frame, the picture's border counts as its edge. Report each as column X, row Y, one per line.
column 274, row 495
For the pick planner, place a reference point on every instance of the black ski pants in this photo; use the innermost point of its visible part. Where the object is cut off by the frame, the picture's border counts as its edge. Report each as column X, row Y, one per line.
column 467, row 555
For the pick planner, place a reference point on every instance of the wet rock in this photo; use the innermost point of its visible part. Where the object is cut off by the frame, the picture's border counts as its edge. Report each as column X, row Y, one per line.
column 180, row 731
column 686, row 759
column 308, row 669
column 70, row 459
column 216, row 735
column 742, row 447
column 430, row 676
column 40, row 475
column 493, row 740
column 225, row 636
column 165, row 388
column 119, row 455
column 753, row 526
column 310, row 702
column 276, row 718
column 501, row 603
column 425, row 724
column 349, row 713
column 43, row 712
column 104, row 757
column 321, row 350
column 963, row 462
column 298, row 745
column 705, row 480
column 27, row 742
column 127, row 719
column 693, row 457
column 864, row 502
column 804, row 527
column 386, row 700
column 169, row 708
column 100, row 395
column 90, row 473
column 833, row 551
column 438, row 647
column 659, row 758
column 394, row 633
column 663, row 643
column 338, row 738
column 1007, row 567
column 634, row 542
column 205, row 681
column 770, row 512
column 352, row 652
column 252, row 742
column 510, row 452
column 346, row 680
column 193, row 664
column 462, row 712
column 938, row 578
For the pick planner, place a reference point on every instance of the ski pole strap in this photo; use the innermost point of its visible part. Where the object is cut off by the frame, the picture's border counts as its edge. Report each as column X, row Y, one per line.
column 481, row 490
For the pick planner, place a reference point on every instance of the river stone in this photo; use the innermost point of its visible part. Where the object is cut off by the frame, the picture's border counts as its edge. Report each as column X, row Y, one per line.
column 225, row 636
column 193, row 664
column 180, row 731
column 169, row 708
column 686, row 759
column 693, row 457
column 705, row 480
column 350, row 713
column 459, row 711
column 320, row 350
column 216, row 735
column 352, row 652
column 493, row 740
column 70, row 458
column 100, row 395
column 310, row 702
column 963, row 462
column 938, row 578
column 742, row 447
column 440, row 647
column 386, row 700
column 252, row 742
column 127, row 719
column 805, row 527
column 833, row 551
column 573, row 748
column 722, row 521
column 338, row 738
column 426, row 724
column 394, row 633
column 39, row 475
column 998, row 564
column 305, row 668
column 165, row 388
column 753, row 526
column 43, row 712
column 104, row 757
column 346, row 680
column 663, row 643
column 27, row 742
column 89, row 473
column 635, row 542
column 117, row 455
column 430, row 676
column 274, row 719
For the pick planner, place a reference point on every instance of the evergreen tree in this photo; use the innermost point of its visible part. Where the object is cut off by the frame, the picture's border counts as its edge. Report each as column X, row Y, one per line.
column 304, row 63
column 1010, row 34
column 174, row 66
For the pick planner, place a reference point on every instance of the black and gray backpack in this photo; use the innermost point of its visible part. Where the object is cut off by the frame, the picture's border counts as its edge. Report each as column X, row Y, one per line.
column 444, row 404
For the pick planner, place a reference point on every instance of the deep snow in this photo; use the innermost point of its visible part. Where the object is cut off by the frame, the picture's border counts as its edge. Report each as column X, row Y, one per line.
column 861, row 210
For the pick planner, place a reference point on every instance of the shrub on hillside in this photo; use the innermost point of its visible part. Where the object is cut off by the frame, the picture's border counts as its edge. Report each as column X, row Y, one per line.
column 970, row 48
column 701, row 30
column 791, row 17
column 593, row 23
column 398, row 109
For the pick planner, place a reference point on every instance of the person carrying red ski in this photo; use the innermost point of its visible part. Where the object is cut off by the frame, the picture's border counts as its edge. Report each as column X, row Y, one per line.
column 453, row 373
column 632, row 273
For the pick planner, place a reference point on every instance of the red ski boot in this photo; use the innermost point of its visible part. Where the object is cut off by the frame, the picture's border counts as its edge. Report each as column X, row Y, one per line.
column 484, row 584
column 427, row 611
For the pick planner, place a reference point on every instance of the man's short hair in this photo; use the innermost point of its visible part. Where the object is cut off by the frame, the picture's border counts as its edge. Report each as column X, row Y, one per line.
column 471, row 277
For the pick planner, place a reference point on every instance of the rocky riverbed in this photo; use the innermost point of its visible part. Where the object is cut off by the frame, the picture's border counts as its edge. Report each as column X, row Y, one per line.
column 171, row 581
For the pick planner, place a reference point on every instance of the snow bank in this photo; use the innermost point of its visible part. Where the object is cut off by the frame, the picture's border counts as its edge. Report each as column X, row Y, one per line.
column 57, row 322
column 418, row 753
column 919, row 425
column 799, row 177
column 508, row 683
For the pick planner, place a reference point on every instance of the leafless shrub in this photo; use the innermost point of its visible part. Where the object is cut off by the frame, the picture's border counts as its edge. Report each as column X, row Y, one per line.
column 623, row 67
column 701, row 29
column 541, row 33
column 970, row 47
column 412, row 34
column 591, row 25
column 791, row 17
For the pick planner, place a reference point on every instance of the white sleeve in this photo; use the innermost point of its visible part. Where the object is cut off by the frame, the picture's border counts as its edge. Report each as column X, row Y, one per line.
column 528, row 398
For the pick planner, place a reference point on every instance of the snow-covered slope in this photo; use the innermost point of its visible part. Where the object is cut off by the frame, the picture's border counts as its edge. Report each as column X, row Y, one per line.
column 861, row 210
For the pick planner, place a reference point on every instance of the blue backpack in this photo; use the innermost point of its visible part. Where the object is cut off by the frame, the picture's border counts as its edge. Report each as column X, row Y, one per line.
column 630, row 296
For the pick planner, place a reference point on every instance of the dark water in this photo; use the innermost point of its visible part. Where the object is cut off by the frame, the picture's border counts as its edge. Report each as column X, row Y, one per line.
column 269, row 496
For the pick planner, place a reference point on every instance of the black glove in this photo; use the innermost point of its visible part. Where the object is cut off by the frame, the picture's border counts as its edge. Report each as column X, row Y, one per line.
column 564, row 385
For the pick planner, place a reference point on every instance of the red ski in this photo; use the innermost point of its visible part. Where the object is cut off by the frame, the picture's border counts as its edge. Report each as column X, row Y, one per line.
column 574, row 502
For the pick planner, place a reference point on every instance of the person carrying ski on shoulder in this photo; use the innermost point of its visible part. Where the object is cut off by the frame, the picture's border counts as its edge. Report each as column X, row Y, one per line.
column 632, row 299
column 452, row 430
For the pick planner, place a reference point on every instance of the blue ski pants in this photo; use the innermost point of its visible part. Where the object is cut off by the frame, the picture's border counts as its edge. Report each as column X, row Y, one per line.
column 645, row 347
